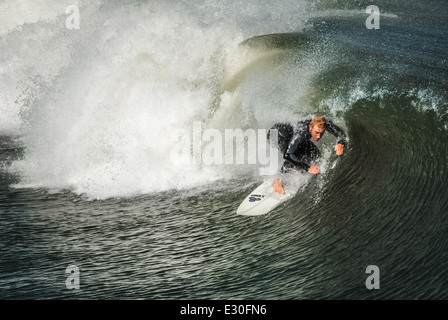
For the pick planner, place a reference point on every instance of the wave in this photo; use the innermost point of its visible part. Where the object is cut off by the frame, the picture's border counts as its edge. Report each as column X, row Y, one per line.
column 96, row 107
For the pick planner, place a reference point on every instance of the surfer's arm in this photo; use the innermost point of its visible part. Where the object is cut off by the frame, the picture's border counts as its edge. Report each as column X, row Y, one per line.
column 290, row 153
column 296, row 161
column 337, row 132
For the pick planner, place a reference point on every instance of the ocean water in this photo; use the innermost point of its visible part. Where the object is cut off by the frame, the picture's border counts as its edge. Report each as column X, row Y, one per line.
column 88, row 122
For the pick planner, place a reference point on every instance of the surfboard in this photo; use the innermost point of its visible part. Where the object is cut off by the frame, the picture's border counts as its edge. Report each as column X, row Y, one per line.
column 262, row 200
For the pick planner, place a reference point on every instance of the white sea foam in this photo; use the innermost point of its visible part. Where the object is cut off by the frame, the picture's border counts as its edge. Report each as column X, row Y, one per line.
column 96, row 106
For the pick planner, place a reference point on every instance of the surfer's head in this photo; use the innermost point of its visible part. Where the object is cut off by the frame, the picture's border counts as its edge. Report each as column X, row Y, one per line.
column 317, row 128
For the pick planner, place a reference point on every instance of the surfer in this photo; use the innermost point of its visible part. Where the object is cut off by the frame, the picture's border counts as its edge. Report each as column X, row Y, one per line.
column 299, row 151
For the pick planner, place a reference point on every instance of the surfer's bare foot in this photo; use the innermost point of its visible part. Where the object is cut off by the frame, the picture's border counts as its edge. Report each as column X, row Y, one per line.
column 314, row 170
column 278, row 187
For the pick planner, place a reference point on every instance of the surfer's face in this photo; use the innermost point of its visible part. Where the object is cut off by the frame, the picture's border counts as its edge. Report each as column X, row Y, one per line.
column 316, row 133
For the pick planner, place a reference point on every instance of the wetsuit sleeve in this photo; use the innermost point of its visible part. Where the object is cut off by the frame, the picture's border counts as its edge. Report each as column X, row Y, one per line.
column 336, row 131
column 294, row 144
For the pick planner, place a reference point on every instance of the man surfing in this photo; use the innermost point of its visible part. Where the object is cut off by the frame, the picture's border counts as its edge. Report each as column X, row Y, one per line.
column 299, row 151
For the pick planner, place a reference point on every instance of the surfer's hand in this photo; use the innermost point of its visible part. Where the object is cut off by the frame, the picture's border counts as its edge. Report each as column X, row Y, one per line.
column 339, row 148
column 314, row 170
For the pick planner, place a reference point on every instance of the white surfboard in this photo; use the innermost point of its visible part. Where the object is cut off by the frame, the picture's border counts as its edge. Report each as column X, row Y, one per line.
column 262, row 200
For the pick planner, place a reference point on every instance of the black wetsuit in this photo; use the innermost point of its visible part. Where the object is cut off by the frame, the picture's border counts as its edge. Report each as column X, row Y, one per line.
column 300, row 151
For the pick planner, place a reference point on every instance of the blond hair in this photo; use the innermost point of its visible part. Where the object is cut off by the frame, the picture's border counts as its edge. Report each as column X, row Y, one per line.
column 319, row 122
